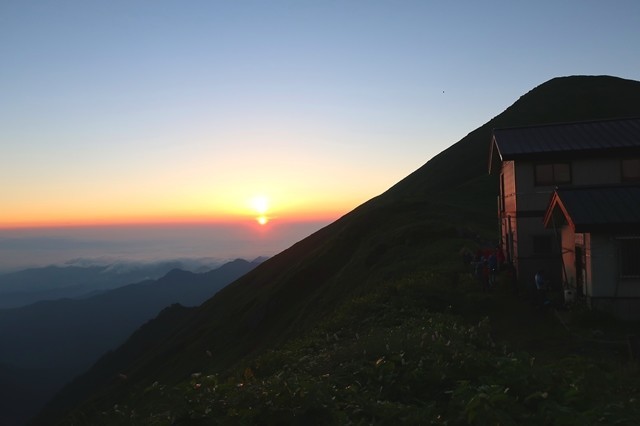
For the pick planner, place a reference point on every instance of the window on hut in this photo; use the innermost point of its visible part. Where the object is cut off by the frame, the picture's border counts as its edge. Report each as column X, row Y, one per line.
column 552, row 173
column 630, row 257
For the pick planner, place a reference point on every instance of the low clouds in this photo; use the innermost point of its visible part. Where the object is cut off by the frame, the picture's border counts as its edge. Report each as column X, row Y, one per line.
column 192, row 247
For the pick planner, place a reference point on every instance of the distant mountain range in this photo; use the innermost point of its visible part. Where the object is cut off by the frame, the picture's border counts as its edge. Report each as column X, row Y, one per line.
column 45, row 344
column 415, row 228
column 53, row 282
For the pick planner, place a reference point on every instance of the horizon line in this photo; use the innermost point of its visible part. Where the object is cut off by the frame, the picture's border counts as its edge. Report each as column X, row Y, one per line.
column 245, row 221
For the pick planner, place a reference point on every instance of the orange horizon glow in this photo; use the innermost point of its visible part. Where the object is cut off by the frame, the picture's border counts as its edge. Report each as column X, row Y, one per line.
column 232, row 208
column 260, row 220
column 78, row 222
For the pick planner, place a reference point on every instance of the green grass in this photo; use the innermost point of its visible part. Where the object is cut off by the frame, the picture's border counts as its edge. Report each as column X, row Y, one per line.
column 425, row 349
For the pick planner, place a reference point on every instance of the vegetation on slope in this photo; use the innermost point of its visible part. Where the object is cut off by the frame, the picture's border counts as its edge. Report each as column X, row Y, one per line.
column 417, row 350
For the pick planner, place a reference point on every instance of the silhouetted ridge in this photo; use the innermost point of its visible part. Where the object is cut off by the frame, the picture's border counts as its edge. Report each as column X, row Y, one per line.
column 176, row 274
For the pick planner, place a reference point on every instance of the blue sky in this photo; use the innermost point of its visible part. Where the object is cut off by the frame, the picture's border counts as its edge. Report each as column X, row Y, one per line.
column 119, row 111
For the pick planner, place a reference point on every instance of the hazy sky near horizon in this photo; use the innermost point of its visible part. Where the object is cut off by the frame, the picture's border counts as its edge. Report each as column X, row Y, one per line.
column 102, row 245
column 165, row 111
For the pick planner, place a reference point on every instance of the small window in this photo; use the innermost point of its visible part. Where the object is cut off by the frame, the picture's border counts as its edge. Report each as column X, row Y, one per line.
column 553, row 173
column 631, row 170
column 542, row 244
column 629, row 257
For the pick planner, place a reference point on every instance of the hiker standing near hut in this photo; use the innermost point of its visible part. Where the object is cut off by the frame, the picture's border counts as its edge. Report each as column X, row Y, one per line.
column 501, row 258
column 541, row 289
column 482, row 273
column 512, row 275
column 493, row 269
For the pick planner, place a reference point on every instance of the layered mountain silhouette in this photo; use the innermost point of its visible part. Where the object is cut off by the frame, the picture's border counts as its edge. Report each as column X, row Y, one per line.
column 45, row 344
column 412, row 226
column 53, row 282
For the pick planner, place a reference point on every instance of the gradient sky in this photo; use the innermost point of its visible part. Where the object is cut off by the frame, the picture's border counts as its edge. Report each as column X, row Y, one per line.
column 161, row 111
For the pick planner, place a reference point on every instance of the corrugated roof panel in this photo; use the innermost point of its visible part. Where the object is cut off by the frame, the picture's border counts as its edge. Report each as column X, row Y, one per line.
column 602, row 206
column 592, row 136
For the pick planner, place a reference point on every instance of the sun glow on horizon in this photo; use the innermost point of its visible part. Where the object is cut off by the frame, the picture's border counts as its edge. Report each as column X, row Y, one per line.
column 260, row 204
column 198, row 206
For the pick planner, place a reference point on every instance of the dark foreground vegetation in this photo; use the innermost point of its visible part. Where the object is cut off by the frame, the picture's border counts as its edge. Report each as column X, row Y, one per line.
column 431, row 348
column 375, row 319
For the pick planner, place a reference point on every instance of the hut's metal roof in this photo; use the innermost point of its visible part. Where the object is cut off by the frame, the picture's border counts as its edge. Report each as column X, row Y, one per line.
column 620, row 136
column 597, row 208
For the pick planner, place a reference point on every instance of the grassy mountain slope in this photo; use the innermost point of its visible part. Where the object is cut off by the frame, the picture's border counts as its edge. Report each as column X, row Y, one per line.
column 348, row 273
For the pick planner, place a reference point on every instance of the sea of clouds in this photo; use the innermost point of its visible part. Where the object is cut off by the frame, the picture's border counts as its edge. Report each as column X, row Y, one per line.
column 197, row 247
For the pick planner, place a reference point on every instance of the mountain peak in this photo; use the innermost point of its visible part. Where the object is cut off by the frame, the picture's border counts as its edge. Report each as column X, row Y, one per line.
column 560, row 99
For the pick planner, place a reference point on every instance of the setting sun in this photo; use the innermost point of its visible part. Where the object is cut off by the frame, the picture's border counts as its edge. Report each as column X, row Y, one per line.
column 260, row 204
